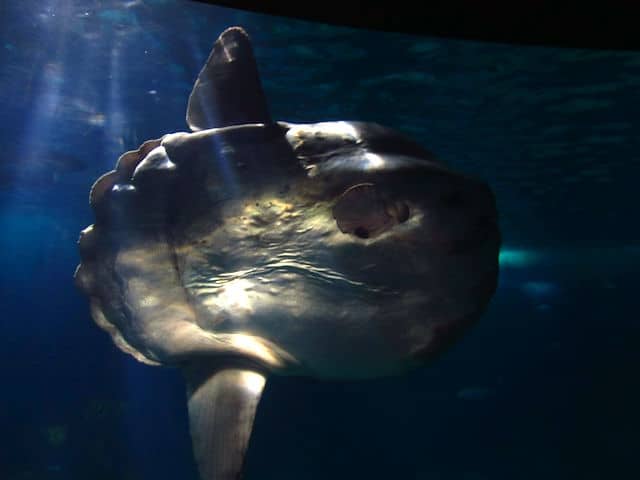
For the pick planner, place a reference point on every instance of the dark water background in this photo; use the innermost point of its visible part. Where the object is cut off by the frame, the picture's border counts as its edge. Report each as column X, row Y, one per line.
column 546, row 386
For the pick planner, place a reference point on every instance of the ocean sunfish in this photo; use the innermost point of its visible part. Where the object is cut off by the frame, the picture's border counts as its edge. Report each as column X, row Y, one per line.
column 250, row 247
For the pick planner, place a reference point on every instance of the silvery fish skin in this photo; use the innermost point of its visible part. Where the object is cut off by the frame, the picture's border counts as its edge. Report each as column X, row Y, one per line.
column 250, row 247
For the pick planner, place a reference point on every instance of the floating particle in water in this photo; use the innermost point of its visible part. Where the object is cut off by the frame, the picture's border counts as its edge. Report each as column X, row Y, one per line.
column 475, row 393
column 56, row 435
column 543, row 307
column 540, row 289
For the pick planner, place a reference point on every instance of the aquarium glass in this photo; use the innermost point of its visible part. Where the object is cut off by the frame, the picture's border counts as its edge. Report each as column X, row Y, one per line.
column 544, row 386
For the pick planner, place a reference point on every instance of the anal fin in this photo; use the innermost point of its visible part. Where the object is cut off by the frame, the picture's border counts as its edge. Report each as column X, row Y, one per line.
column 222, row 406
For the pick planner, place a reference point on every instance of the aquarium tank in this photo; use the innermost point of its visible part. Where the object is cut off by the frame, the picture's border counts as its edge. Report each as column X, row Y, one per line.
column 542, row 382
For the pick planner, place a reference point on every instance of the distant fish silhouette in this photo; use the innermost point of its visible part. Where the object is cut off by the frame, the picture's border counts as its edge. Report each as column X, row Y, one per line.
column 39, row 169
column 57, row 161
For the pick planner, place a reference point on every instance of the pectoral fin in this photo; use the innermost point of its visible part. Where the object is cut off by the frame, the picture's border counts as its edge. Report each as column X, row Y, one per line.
column 222, row 405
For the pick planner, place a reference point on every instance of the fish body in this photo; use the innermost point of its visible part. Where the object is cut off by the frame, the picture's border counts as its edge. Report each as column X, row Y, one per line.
column 250, row 247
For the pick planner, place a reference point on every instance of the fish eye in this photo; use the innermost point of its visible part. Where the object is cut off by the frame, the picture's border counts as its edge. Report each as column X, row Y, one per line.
column 361, row 232
column 364, row 211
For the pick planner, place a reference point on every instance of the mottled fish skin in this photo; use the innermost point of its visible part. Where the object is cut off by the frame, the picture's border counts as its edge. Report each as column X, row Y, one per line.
column 250, row 247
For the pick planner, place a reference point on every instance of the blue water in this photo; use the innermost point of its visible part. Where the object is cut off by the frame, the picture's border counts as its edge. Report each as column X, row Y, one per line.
column 545, row 386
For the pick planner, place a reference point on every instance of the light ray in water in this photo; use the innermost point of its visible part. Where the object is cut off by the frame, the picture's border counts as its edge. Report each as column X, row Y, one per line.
column 223, row 151
column 116, row 141
column 115, row 114
column 47, row 97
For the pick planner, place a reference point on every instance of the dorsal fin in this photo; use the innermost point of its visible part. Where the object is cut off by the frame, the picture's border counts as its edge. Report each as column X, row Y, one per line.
column 228, row 90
